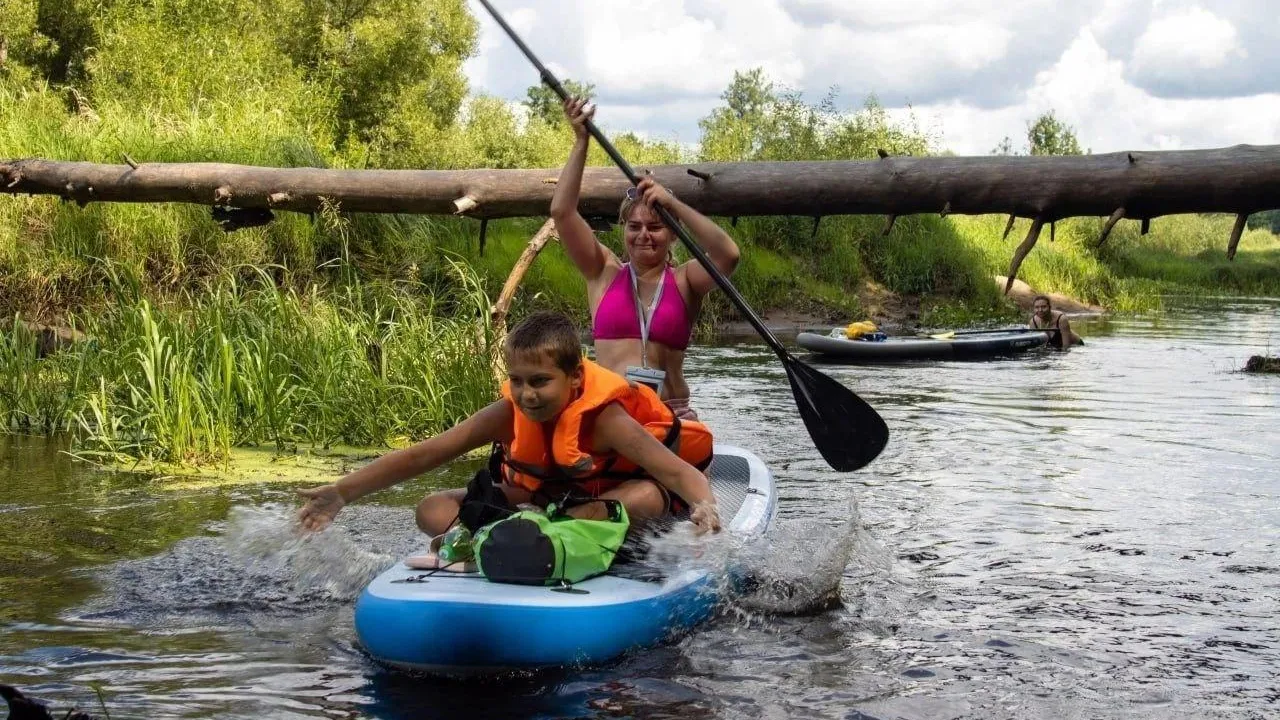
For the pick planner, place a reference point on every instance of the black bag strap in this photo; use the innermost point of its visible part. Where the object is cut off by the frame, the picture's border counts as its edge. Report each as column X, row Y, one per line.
column 485, row 502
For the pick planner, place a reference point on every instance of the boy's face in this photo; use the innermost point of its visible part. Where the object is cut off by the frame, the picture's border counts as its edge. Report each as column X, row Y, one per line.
column 539, row 388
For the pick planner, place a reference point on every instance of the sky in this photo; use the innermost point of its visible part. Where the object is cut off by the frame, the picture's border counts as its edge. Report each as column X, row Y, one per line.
column 1126, row 74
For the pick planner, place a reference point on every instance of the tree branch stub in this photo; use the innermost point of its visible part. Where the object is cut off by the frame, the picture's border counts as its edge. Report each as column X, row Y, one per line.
column 498, row 313
column 1020, row 254
column 1236, row 231
column 1116, row 217
column 888, row 225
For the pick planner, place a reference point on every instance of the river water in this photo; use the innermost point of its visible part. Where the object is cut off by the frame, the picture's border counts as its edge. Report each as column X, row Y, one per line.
column 1088, row 534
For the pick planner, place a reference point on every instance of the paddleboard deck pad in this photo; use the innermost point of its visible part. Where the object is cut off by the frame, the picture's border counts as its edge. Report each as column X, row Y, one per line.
column 460, row 623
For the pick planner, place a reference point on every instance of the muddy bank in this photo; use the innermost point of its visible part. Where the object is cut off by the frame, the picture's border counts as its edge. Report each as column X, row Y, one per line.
column 892, row 312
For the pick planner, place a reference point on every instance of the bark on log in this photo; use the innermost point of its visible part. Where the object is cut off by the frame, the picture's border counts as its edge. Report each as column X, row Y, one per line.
column 1240, row 179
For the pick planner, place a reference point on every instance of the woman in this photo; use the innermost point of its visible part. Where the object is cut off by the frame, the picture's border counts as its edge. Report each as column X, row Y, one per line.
column 1044, row 317
column 642, row 309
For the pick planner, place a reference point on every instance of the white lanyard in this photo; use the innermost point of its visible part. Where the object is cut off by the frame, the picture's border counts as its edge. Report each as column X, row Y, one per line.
column 646, row 315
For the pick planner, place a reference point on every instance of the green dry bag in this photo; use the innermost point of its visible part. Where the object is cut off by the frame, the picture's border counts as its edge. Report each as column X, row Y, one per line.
column 532, row 548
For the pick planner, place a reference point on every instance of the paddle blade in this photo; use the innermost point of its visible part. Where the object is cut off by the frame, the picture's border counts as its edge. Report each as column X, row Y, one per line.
column 847, row 431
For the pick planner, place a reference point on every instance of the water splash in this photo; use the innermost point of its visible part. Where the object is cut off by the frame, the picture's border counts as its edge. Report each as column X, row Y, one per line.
column 796, row 568
column 267, row 542
column 255, row 566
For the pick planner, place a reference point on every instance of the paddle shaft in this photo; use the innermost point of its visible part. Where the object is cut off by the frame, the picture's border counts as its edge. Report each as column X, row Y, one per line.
column 698, row 253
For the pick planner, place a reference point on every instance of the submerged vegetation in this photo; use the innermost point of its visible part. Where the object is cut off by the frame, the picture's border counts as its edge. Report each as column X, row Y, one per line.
column 361, row 330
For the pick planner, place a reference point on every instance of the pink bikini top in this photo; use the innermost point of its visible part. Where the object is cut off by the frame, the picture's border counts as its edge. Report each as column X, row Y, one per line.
column 617, row 316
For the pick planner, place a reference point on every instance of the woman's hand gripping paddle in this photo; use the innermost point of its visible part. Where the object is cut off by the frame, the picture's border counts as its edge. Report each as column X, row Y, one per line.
column 846, row 430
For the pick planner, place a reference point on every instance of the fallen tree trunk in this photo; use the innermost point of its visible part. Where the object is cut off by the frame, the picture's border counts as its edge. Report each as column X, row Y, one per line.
column 1241, row 179
column 1133, row 185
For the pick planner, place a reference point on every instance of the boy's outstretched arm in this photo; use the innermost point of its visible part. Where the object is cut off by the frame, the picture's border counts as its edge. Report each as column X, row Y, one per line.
column 618, row 432
column 493, row 423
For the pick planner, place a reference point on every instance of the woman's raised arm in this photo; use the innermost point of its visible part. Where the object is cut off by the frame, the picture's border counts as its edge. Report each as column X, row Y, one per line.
column 575, row 234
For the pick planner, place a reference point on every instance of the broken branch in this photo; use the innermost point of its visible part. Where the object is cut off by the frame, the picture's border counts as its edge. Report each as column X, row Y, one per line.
column 1021, row 253
column 1116, row 217
column 1236, row 231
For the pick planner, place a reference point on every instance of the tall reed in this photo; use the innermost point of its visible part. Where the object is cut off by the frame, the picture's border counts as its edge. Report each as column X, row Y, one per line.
column 246, row 362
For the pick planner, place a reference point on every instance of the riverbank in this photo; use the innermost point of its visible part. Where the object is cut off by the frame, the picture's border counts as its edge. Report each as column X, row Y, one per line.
column 369, row 338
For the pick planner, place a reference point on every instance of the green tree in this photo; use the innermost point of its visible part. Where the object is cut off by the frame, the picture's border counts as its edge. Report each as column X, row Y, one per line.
column 759, row 121
column 1269, row 220
column 50, row 37
column 371, row 52
column 1050, row 136
column 1005, row 147
column 544, row 103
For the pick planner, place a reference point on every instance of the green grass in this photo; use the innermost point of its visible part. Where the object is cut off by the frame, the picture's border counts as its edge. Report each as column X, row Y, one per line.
column 248, row 363
column 1182, row 254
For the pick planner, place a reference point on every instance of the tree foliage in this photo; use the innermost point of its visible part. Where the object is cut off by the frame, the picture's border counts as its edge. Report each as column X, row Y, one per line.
column 1046, row 135
column 1050, row 136
column 544, row 104
column 761, row 121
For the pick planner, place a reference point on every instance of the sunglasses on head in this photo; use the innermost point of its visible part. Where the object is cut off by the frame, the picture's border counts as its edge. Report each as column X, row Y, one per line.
column 633, row 194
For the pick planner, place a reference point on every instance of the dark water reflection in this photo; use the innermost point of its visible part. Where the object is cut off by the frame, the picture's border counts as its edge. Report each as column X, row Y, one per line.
column 1088, row 534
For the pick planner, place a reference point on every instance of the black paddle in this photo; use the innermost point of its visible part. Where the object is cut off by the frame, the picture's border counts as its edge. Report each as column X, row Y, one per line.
column 846, row 430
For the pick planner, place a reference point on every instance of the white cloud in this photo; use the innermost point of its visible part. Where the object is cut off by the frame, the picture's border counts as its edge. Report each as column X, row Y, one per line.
column 646, row 46
column 1194, row 38
column 1087, row 89
column 1128, row 74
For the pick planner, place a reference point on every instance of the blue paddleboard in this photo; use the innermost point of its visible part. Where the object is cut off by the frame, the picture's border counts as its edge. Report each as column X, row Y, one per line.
column 460, row 623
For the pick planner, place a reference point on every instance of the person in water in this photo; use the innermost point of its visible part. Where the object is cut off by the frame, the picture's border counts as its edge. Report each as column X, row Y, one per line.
column 642, row 308
column 564, row 425
column 1044, row 317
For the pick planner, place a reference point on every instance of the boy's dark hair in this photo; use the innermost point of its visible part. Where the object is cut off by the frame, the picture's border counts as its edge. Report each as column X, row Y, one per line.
column 1045, row 298
column 549, row 332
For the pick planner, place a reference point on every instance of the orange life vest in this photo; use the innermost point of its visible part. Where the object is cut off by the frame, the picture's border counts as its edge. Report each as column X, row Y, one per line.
column 538, row 454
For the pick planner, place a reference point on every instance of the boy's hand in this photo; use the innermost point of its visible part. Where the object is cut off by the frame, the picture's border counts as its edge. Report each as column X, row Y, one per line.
column 323, row 504
column 705, row 517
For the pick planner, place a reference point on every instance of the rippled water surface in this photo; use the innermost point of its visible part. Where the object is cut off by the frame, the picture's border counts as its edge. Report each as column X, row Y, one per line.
column 1084, row 534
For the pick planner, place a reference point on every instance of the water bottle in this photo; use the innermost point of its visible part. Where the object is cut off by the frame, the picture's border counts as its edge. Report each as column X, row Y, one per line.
column 455, row 546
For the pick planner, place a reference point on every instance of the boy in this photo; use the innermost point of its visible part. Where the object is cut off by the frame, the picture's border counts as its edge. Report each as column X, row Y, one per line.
column 564, row 423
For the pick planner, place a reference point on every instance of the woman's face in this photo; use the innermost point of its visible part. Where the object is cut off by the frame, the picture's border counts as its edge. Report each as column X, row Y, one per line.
column 647, row 238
